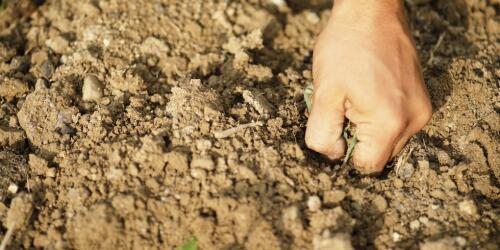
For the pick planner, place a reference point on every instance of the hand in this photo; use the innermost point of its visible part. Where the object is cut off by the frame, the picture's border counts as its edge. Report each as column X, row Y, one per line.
column 366, row 69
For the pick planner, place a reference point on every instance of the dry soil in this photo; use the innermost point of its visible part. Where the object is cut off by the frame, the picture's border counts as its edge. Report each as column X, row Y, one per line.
column 140, row 124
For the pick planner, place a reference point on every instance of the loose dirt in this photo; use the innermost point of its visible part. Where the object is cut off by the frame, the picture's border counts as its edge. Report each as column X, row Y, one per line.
column 140, row 124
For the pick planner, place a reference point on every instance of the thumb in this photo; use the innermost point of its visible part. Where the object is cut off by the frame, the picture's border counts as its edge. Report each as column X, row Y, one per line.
column 326, row 122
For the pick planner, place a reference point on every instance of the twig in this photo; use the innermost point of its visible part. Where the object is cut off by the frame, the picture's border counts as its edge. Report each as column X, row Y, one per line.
column 435, row 48
column 228, row 132
column 7, row 237
column 403, row 159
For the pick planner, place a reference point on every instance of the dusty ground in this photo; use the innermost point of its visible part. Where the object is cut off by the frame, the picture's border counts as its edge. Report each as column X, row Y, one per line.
column 142, row 158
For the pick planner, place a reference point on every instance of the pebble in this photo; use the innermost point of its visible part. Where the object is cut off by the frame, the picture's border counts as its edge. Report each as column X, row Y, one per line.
column 415, row 225
column 379, row 204
column 406, row 171
column 258, row 101
column 13, row 188
column 199, row 174
column 398, row 183
column 203, row 162
column 92, row 89
column 47, row 69
column 314, row 203
column 396, row 237
column 291, row 213
column 40, row 84
column 468, row 207
column 423, row 164
column 312, row 17
column 461, row 241
column 58, row 44
column 444, row 158
column 339, row 241
column 424, row 220
column 133, row 170
column 441, row 244
column 333, row 196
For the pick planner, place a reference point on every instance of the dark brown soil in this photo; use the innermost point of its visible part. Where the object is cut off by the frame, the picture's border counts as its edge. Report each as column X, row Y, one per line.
column 191, row 123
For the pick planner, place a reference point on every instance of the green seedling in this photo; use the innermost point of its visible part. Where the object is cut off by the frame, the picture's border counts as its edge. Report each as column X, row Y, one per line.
column 191, row 244
column 349, row 130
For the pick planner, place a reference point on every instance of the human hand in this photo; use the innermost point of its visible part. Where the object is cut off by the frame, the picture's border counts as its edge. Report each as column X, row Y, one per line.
column 366, row 69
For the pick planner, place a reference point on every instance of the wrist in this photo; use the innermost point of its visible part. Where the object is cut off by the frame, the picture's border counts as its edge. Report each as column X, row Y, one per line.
column 380, row 12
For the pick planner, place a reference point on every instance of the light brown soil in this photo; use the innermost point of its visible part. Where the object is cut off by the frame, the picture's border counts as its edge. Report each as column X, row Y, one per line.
column 150, row 164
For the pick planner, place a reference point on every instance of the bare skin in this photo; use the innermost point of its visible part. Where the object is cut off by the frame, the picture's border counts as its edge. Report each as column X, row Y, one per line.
column 366, row 69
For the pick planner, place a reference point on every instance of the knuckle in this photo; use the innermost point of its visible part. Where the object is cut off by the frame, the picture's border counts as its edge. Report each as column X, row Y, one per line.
column 365, row 167
column 425, row 114
column 396, row 122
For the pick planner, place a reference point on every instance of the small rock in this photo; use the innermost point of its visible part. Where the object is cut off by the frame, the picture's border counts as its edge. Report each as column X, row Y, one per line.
column 203, row 162
column 379, row 204
column 398, row 183
column 199, row 174
column 58, row 44
column 406, row 171
column 468, row 207
column 291, row 220
column 442, row 244
column 444, row 158
column 340, row 241
column 258, row 102
column 396, row 237
column 51, row 173
column 461, row 241
column 424, row 220
column 13, row 122
column 47, row 69
column 154, row 46
column 133, row 170
column 291, row 213
column 312, row 17
column 40, row 84
column 13, row 188
column 313, row 203
column 203, row 145
column 423, row 165
column 92, row 89
column 333, row 196
column 415, row 225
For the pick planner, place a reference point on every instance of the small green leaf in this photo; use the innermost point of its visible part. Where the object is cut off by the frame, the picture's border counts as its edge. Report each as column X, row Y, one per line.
column 191, row 244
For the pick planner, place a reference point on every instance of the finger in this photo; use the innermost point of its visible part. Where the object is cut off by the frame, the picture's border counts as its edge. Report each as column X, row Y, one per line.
column 377, row 141
column 418, row 121
column 326, row 121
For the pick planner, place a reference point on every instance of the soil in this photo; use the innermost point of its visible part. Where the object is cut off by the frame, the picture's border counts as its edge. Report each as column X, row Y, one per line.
column 193, row 123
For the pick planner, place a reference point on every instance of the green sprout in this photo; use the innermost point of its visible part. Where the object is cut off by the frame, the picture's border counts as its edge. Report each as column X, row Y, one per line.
column 191, row 244
column 349, row 130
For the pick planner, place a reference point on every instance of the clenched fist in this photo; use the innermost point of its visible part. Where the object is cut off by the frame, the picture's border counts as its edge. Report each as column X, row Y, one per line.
column 366, row 69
